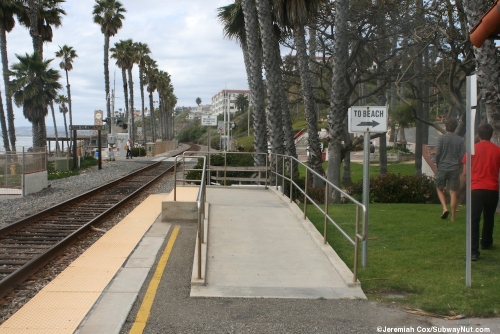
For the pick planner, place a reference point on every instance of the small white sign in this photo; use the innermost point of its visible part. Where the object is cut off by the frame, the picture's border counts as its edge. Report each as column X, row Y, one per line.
column 367, row 118
column 208, row 120
column 220, row 127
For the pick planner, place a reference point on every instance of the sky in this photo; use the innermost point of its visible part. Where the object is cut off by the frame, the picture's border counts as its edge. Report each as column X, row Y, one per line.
column 185, row 38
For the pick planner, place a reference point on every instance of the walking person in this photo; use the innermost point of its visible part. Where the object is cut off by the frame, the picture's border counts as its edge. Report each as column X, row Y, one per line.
column 129, row 148
column 450, row 149
column 484, row 189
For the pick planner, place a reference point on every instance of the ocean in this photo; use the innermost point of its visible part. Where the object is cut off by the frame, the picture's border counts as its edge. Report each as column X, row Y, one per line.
column 24, row 141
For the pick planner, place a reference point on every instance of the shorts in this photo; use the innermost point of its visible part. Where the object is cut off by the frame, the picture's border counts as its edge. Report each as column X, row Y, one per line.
column 452, row 178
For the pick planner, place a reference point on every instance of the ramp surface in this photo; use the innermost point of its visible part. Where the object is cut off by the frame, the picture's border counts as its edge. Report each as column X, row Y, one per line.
column 257, row 247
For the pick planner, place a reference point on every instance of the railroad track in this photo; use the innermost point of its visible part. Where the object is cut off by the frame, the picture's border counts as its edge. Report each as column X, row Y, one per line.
column 29, row 244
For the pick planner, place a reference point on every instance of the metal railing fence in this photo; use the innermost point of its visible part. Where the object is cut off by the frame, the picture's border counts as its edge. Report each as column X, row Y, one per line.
column 15, row 165
column 200, row 199
column 281, row 169
column 285, row 174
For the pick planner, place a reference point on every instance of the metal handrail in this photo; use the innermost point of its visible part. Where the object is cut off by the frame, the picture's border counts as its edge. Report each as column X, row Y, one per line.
column 200, row 201
column 359, row 237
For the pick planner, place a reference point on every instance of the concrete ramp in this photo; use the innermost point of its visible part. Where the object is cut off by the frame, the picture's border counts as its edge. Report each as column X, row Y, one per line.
column 259, row 247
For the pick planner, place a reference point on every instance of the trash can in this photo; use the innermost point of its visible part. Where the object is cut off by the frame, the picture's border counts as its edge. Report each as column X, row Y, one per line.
column 96, row 155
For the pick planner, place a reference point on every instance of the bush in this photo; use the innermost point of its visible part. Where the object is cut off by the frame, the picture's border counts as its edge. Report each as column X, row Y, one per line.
column 397, row 188
column 138, row 151
column 394, row 149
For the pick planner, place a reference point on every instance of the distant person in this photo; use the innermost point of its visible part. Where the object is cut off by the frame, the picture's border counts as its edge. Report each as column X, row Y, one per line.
column 450, row 149
column 129, row 148
column 372, row 147
column 484, row 189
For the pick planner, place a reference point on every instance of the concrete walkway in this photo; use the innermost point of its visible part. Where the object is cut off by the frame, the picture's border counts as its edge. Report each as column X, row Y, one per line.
column 258, row 247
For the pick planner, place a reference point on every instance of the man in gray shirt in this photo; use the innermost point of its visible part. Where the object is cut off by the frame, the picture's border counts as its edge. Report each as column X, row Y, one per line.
column 450, row 150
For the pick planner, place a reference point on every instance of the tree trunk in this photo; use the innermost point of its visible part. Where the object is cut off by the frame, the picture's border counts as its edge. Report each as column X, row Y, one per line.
column 141, row 85
column 8, row 97
column 55, row 126
column 125, row 91
column 338, row 104
column 69, row 100
column 315, row 157
column 487, row 65
column 152, row 117
column 131, row 90
column 257, row 85
column 5, row 134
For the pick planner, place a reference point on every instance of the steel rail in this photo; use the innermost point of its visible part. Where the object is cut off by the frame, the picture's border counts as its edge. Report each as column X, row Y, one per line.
column 9, row 282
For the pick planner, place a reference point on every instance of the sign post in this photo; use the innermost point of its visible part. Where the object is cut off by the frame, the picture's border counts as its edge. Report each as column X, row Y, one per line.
column 99, row 128
column 367, row 119
column 208, row 121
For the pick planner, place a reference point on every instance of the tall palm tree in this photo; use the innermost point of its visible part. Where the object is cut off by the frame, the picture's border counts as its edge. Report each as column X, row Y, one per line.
column 67, row 55
column 34, row 86
column 41, row 16
column 142, row 50
column 164, row 87
column 51, row 104
column 62, row 100
column 151, row 72
column 338, row 104
column 8, row 8
column 295, row 14
column 132, row 56
column 487, row 64
column 109, row 15
column 120, row 53
column 252, row 46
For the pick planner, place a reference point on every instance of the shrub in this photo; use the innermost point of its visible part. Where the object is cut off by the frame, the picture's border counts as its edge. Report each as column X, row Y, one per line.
column 397, row 188
column 138, row 151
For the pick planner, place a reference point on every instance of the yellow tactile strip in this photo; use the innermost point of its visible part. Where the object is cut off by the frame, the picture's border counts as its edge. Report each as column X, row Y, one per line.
column 184, row 194
column 64, row 302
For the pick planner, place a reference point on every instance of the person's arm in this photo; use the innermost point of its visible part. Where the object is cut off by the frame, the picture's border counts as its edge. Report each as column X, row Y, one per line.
column 438, row 151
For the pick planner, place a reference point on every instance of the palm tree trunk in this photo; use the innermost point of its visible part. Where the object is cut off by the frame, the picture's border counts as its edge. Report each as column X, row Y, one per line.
column 106, row 75
column 315, row 159
column 65, row 127
column 141, row 84
column 55, row 125
column 68, row 88
column 125, row 91
column 8, row 98
column 487, row 65
column 152, row 117
column 32, row 11
column 338, row 104
column 131, row 89
column 257, row 85
column 5, row 134
column 272, row 73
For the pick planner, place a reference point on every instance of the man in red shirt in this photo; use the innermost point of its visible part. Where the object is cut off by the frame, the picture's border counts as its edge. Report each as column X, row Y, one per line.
column 484, row 189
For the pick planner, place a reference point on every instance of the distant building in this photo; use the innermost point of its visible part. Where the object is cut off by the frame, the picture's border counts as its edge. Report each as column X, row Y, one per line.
column 225, row 99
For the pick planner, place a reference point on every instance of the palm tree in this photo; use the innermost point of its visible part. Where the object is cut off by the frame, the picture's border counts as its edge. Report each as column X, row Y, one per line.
column 8, row 8
column 142, row 50
column 67, row 55
column 51, row 103
column 34, row 86
column 151, row 72
column 338, row 104
column 109, row 15
column 41, row 16
column 62, row 100
column 295, row 14
column 251, row 45
column 120, row 53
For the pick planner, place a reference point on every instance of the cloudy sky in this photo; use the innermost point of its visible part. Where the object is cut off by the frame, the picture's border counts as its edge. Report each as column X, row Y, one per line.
column 185, row 39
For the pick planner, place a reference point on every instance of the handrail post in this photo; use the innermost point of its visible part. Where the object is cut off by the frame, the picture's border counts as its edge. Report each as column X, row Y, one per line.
column 275, row 170
column 291, row 181
column 305, row 195
column 175, row 179
column 267, row 169
column 225, row 168
column 326, row 213
column 283, row 175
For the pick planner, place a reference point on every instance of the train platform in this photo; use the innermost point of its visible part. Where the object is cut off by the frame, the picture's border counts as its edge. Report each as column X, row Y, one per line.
column 266, row 271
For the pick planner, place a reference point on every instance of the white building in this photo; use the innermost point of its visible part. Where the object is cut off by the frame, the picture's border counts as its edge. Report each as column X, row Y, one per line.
column 225, row 99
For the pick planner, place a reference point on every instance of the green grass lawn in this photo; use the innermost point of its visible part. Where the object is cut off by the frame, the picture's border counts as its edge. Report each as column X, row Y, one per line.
column 357, row 170
column 415, row 255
